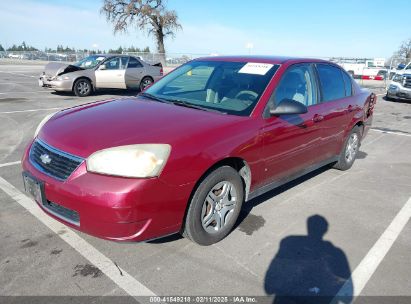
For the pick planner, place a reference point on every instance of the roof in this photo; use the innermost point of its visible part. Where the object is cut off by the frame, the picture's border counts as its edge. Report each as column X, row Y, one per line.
column 259, row 58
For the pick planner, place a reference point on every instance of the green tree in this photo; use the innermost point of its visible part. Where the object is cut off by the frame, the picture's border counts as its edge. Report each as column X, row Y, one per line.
column 150, row 16
column 1, row 48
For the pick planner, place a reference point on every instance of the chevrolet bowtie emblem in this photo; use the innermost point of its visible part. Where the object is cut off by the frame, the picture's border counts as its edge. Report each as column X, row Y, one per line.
column 45, row 159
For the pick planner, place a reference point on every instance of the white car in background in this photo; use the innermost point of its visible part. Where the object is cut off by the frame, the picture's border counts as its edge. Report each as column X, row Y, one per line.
column 98, row 72
column 400, row 85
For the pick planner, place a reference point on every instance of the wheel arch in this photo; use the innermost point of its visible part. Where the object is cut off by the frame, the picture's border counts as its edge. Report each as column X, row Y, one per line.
column 83, row 77
column 238, row 164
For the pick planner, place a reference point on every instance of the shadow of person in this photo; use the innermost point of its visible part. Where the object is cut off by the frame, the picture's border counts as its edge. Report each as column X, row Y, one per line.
column 308, row 269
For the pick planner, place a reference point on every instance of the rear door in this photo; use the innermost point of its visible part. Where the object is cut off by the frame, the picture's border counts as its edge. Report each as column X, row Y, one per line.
column 134, row 73
column 291, row 141
column 337, row 106
column 111, row 74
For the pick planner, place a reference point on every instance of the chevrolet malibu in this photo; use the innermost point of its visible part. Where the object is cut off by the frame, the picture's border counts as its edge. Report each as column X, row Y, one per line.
column 188, row 152
column 99, row 72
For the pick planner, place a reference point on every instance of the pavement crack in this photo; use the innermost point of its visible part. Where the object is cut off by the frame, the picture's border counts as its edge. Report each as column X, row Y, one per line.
column 121, row 273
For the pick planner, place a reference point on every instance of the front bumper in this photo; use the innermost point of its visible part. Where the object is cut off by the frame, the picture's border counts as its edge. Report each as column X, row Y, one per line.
column 399, row 93
column 57, row 85
column 114, row 208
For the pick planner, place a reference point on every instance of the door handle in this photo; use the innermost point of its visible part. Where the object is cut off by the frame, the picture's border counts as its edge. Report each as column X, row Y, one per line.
column 350, row 108
column 318, row 118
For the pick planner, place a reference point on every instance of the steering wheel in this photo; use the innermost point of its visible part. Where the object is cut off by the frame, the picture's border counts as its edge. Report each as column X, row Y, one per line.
column 249, row 95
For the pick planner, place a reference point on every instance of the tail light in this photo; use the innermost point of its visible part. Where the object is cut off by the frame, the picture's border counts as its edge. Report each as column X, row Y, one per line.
column 161, row 71
column 371, row 104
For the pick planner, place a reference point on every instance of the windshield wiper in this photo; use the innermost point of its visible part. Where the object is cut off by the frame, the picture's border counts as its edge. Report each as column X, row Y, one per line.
column 153, row 97
column 182, row 103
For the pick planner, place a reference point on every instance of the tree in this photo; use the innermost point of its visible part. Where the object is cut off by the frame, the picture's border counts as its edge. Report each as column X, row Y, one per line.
column 405, row 49
column 1, row 48
column 147, row 15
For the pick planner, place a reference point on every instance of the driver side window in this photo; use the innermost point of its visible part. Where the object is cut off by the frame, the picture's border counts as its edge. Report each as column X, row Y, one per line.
column 113, row 64
column 297, row 84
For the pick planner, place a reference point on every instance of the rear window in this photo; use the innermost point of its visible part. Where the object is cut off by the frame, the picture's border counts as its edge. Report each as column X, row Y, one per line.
column 134, row 63
column 332, row 82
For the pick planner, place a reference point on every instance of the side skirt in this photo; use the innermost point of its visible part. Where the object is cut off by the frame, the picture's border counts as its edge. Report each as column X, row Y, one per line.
column 278, row 183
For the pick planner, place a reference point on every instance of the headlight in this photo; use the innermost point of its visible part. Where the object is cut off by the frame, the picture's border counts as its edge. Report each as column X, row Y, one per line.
column 60, row 78
column 392, row 87
column 397, row 78
column 42, row 123
column 145, row 160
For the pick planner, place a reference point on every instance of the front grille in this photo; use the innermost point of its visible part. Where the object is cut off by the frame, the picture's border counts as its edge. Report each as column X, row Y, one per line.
column 407, row 81
column 64, row 213
column 53, row 162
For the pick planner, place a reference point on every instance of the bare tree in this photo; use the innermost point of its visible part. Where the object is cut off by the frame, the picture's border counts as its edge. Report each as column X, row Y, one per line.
column 405, row 49
column 146, row 15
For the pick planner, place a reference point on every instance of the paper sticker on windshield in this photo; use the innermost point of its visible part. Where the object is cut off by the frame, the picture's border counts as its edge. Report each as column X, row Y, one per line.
column 256, row 68
column 87, row 63
column 100, row 58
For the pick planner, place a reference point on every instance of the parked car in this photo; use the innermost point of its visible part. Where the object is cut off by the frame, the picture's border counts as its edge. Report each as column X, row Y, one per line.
column 185, row 154
column 400, row 86
column 99, row 71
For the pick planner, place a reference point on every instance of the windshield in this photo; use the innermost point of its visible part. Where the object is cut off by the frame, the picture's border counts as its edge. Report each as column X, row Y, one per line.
column 89, row 62
column 228, row 87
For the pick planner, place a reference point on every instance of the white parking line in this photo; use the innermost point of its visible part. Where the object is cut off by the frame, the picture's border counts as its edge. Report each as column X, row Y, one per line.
column 118, row 275
column 32, row 110
column 361, row 275
column 391, row 132
column 10, row 164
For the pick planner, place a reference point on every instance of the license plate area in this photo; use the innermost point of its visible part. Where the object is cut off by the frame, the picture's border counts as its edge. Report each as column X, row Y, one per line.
column 34, row 188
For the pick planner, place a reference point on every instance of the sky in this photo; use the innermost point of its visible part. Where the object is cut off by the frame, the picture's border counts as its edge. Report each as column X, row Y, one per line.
column 343, row 28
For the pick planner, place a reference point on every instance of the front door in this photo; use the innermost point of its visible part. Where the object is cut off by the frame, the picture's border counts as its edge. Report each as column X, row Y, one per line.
column 291, row 141
column 111, row 74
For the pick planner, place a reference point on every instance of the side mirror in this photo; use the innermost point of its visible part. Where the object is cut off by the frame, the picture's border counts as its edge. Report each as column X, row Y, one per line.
column 288, row 106
column 102, row 67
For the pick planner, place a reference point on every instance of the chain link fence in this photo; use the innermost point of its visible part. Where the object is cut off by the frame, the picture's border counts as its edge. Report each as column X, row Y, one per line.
column 169, row 59
column 362, row 69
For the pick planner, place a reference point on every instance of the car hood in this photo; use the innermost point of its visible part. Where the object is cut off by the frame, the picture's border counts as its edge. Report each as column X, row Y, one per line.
column 86, row 129
column 58, row 68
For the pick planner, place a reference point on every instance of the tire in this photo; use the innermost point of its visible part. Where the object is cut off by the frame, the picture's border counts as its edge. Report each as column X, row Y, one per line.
column 82, row 87
column 145, row 82
column 350, row 150
column 388, row 98
column 204, row 213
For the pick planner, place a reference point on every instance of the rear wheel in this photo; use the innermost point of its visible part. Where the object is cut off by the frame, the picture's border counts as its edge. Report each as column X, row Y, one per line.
column 145, row 82
column 350, row 150
column 82, row 87
column 215, row 206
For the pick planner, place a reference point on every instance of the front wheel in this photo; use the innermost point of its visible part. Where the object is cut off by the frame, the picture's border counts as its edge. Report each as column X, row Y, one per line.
column 350, row 150
column 214, row 207
column 82, row 87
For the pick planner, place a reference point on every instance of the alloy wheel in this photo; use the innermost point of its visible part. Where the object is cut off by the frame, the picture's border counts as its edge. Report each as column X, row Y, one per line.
column 352, row 148
column 83, row 87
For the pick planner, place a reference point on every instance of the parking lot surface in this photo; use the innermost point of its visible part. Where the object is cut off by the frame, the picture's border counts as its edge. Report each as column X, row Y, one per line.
column 366, row 208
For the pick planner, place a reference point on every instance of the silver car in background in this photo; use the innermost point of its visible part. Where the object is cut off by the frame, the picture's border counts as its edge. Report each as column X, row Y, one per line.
column 100, row 72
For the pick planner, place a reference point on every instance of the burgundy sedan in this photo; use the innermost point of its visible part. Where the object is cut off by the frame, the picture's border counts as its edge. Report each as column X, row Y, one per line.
column 190, row 150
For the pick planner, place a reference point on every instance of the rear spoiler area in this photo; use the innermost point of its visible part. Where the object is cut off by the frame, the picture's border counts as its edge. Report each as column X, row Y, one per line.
column 160, row 66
